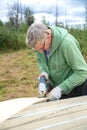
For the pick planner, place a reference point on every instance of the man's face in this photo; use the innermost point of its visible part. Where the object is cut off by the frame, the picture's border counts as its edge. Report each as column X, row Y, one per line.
column 43, row 46
column 39, row 46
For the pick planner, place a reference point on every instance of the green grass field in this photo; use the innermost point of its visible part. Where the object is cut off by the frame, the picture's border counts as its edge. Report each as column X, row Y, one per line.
column 18, row 74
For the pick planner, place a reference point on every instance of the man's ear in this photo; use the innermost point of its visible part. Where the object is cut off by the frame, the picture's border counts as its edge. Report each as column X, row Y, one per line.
column 49, row 32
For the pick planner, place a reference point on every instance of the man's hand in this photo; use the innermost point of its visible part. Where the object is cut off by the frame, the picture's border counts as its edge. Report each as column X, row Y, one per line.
column 42, row 88
column 55, row 94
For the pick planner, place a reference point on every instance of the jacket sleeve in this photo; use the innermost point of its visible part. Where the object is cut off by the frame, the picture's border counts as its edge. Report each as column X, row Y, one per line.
column 76, row 62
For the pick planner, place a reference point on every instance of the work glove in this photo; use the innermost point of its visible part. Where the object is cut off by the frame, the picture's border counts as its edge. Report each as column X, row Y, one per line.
column 55, row 94
column 45, row 74
column 42, row 87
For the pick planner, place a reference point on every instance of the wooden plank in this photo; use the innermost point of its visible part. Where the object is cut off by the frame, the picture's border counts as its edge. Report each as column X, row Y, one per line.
column 61, row 114
column 10, row 107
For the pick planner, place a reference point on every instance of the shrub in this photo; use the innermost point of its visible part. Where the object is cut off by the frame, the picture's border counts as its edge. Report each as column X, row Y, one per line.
column 10, row 39
column 81, row 36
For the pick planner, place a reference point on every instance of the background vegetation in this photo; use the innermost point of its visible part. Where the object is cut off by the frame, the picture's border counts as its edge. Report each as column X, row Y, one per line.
column 18, row 66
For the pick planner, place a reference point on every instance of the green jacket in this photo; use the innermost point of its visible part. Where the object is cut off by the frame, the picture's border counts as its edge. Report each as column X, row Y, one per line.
column 66, row 66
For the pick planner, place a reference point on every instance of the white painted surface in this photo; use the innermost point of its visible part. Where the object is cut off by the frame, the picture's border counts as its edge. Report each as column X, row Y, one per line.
column 10, row 107
column 67, row 114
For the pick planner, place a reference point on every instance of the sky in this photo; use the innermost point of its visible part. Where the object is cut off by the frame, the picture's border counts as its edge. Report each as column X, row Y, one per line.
column 69, row 11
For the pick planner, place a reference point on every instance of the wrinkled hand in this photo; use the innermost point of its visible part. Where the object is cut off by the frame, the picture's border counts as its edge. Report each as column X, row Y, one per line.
column 55, row 94
column 42, row 88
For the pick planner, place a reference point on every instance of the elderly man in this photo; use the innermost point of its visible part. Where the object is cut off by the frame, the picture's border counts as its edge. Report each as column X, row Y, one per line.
column 62, row 66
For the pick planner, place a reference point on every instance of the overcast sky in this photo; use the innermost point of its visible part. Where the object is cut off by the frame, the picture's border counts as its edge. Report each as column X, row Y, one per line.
column 71, row 11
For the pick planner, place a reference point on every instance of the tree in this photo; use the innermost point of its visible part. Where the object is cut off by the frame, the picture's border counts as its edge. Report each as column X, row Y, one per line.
column 86, row 12
column 56, row 21
column 18, row 14
column 15, row 14
column 44, row 20
column 28, row 15
column 1, row 23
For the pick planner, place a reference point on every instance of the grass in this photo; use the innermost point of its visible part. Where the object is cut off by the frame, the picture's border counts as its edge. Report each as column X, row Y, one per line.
column 18, row 74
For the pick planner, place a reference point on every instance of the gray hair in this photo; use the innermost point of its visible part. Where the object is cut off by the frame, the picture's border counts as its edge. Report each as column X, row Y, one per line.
column 37, row 31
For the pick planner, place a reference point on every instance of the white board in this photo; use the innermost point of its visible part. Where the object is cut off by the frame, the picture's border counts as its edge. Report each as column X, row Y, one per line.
column 66, row 114
column 11, row 107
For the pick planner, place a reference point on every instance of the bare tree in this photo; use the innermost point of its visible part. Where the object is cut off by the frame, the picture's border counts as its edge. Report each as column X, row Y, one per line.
column 86, row 12
column 28, row 15
column 56, row 21
column 15, row 14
